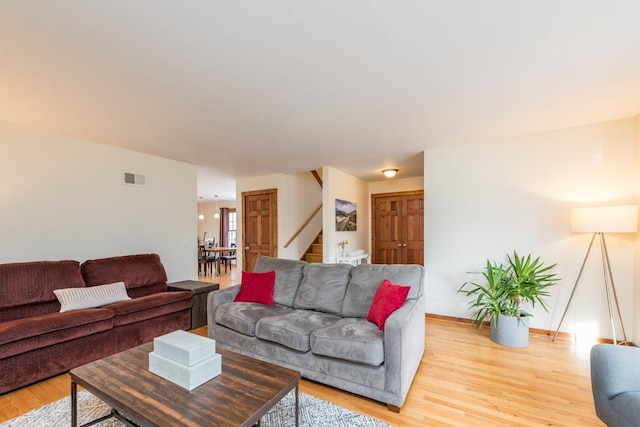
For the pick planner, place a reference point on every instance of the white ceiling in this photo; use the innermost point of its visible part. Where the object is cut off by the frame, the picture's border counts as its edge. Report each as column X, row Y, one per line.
column 245, row 88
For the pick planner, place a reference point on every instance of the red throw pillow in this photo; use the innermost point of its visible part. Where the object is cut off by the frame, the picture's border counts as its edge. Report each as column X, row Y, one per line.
column 257, row 287
column 388, row 298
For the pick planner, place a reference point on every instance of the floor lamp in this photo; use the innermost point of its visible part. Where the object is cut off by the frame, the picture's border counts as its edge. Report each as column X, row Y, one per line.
column 600, row 220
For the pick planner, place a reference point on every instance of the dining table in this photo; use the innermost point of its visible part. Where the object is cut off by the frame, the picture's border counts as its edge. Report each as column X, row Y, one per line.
column 219, row 251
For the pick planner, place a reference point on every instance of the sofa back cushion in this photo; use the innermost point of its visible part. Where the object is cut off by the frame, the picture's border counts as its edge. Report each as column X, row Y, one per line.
column 366, row 278
column 26, row 288
column 141, row 274
column 288, row 277
column 323, row 287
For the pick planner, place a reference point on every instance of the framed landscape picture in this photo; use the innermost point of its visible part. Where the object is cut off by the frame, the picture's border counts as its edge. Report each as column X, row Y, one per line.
column 346, row 216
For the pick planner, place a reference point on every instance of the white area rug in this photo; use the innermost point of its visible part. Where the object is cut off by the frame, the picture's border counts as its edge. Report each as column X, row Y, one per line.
column 313, row 412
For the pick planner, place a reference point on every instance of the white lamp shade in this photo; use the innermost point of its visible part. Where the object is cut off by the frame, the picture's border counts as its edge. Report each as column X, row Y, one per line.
column 609, row 219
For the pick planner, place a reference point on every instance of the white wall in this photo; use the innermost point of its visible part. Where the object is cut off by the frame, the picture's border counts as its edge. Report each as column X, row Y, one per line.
column 298, row 197
column 339, row 185
column 395, row 185
column 63, row 198
column 484, row 200
column 636, row 300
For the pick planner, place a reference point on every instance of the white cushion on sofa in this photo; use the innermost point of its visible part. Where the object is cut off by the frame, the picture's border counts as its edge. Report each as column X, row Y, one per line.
column 95, row 296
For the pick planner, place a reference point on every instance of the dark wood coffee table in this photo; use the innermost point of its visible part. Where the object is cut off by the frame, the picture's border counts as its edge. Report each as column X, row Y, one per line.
column 245, row 390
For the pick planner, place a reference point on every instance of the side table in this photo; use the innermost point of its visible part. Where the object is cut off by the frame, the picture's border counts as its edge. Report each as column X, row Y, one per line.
column 355, row 260
column 199, row 290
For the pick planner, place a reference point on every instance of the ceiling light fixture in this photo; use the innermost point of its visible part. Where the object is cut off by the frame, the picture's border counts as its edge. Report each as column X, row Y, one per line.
column 390, row 173
column 217, row 214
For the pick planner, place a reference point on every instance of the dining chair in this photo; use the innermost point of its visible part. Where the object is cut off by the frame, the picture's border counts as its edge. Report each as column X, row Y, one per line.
column 228, row 258
column 202, row 260
column 206, row 261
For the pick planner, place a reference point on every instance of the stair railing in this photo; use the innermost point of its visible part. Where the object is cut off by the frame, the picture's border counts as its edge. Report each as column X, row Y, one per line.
column 318, row 209
column 316, row 175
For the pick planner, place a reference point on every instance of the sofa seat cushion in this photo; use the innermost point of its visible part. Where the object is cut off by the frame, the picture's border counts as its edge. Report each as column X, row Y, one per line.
column 355, row 340
column 294, row 329
column 150, row 306
column 243, row 316
column 23, row 335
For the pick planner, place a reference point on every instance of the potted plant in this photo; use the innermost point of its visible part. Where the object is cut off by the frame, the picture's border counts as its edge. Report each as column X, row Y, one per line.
column 502, row 297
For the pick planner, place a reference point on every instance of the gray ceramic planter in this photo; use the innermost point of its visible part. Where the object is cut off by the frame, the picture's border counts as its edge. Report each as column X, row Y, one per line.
column 511, row 331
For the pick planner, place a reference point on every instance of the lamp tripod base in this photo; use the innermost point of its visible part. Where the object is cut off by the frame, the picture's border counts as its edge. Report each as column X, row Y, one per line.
column 610, row 291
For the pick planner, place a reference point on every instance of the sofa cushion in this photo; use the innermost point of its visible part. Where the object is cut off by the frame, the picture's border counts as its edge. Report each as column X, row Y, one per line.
column 96, row 296
column 355, row 340
column 243, row 316
column 366, row 278
column 388, row 298
column 293, row 329
column 257, row 287
column 142, row 274
column 26, row 288
column 288, row 277
column 150, row 306
column 323, row 287
column 23, row 335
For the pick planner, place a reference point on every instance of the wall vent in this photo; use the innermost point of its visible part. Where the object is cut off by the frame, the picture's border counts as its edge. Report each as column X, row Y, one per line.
column 134, row 179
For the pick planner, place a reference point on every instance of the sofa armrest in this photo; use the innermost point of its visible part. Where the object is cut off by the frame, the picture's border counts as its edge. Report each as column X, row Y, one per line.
column 614, row 369
column 615, row 382
column 404, row 347
column 215, row 299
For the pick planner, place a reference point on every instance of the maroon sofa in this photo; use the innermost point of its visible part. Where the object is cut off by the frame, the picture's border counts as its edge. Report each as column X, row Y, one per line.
column 37, row 341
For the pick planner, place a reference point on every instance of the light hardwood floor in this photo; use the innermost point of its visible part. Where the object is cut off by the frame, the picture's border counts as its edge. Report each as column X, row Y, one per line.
column 464, row 380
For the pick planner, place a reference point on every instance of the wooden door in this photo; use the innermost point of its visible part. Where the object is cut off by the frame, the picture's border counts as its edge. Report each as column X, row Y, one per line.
column 398, row 228
column 259, row 226
column 413, row 229
column 387, row 240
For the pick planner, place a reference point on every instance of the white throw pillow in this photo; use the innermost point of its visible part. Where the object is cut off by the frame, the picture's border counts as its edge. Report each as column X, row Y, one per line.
column 94, row 296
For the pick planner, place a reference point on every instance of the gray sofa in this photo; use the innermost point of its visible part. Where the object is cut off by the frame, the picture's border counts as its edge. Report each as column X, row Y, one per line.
column 318, row 326
column 615, row 381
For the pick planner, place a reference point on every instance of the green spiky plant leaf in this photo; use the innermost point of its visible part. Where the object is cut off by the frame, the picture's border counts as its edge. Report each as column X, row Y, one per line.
column 507, row 287
column 529, row 281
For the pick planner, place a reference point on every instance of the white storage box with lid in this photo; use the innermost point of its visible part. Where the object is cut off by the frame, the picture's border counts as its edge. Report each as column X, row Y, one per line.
column 186, row 359
column 184, row 347
column 188, row 377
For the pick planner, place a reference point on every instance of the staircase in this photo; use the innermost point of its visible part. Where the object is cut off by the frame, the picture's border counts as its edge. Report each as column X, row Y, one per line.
column 314, row 252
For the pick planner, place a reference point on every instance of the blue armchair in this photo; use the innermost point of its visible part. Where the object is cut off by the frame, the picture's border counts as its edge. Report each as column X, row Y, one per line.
column 615, row 381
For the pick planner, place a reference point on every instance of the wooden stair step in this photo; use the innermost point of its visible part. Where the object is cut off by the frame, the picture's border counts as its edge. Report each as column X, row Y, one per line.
column 313, row 257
